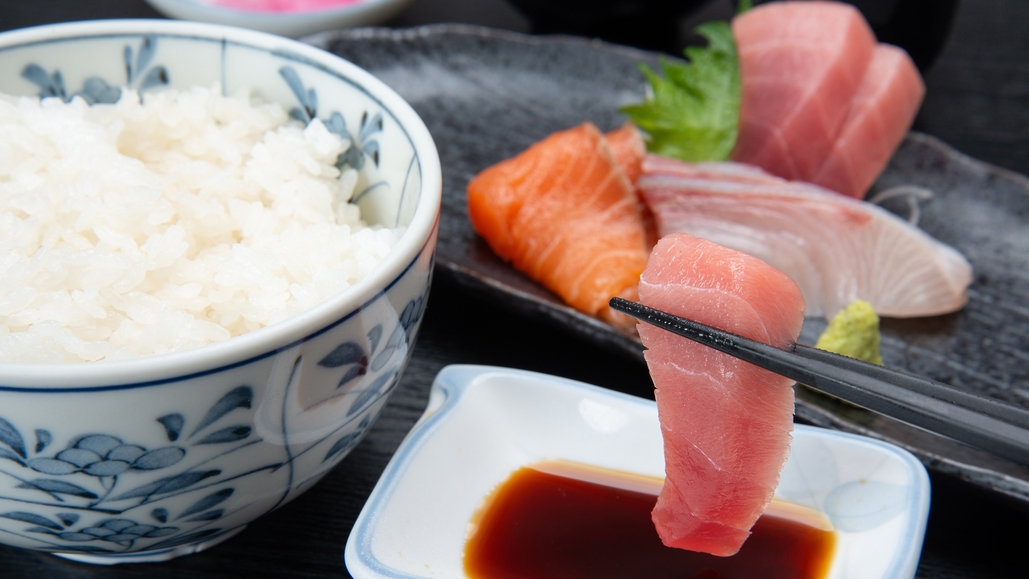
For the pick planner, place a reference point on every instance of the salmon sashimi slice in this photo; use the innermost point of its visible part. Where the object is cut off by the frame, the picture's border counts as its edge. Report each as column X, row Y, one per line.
column 629, row 148
column 881, row 113
column 800, row 64
column 726, row 424
column 838, row 249
column 564, row 213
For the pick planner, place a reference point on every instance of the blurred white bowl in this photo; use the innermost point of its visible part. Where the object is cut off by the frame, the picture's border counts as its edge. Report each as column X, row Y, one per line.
column 151, row 458
column 294, row 24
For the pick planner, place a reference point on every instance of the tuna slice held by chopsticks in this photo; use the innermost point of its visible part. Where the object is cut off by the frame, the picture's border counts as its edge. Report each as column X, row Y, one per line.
column 564, row 213
column 726, row 424
column 836, row 248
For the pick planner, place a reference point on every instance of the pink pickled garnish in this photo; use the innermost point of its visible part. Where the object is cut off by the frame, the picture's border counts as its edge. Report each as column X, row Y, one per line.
column 282, row 5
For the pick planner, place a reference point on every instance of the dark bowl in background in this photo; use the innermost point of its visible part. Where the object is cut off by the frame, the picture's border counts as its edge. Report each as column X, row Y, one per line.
column 919, row 26
column 649, row 24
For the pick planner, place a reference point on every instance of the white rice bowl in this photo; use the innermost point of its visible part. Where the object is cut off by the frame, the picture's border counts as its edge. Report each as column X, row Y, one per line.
column 136, row 228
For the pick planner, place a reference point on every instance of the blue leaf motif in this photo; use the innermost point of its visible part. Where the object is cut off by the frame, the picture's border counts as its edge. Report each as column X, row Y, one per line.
column 107, row 468
column 78, row 537
column 208, row 516
column 68, row 519
column 371, row 148
column 43, row 439
column 183, row 539
column 126, row 56
column 159, row 458
column 5, row 453
column 162, row 532
column 167, row 484
column 337, row 124
column 293, row 80
column 132, row 533
column 117, row 524
column 395, row 339
column 374, row 335
column 240, row 397
column 343, row 354
column 98, row 443
column 80, row 457
column 342, row 445
column 38, row 76
column 160, row 515
column 33, row 519
column 147, row 48
column 310, row 108
column 352, row 373
column 369, row 393
column 207, row 502
column 58, row 487
column 10, row 436
column 49, row 86
column 126, row 452
column 353, row 157
column 228, row 434
column 369, row 129
column 99, row 532
column 40, row 530
column 412, row 312
column 51, row 466
column 312, row 103
column 96, row 90
column 173, row 424
column 156, row 76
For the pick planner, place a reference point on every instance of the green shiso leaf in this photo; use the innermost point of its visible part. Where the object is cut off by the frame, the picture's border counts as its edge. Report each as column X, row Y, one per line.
column 853, row 332
column 692, row 112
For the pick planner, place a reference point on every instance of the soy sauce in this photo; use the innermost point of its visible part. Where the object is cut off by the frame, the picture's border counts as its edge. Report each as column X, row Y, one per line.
column 544, row 525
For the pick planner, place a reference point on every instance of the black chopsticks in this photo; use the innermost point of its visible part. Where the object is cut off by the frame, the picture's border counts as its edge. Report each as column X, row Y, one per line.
column 988, row 424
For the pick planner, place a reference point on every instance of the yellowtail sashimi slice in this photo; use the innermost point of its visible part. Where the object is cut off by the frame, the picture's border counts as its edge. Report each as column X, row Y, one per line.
column 838, row 249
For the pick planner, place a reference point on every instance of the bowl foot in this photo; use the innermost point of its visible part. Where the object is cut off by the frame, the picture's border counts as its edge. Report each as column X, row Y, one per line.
column 152, row 556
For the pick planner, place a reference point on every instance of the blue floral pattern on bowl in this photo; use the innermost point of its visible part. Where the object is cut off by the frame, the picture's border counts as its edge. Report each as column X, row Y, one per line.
column 99, row 493
column 139, row 75
column 151, row 465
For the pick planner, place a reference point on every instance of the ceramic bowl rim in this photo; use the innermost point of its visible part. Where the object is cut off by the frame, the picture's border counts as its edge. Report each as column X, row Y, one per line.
column 221, row 356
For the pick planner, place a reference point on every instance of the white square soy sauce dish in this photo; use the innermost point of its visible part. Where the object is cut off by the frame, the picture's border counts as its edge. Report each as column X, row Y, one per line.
column 484, row 423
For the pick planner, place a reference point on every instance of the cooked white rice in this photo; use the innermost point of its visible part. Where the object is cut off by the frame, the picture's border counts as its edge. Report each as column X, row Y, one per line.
column 134, row 229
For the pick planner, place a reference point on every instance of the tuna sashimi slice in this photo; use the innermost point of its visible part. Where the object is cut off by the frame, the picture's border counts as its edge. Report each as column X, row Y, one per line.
column 838, row 249
column 726, row 424
column 800, row 63
column 881, row 113
column 564, row 213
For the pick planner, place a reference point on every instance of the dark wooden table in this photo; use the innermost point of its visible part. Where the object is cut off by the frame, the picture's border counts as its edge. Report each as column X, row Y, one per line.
column 978, row 101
